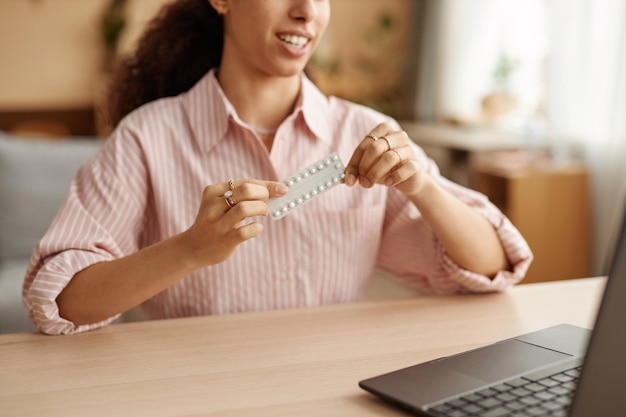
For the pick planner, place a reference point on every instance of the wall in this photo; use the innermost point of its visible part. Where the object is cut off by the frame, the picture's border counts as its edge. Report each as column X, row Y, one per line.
column 51, row 52
column 366, row 52
column 52, row 56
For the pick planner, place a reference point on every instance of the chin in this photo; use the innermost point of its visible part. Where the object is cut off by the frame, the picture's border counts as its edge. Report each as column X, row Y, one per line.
column 290, row 68
column 288, row 72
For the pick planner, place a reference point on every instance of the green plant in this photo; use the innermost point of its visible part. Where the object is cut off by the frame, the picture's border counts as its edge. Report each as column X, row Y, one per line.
column 379, row 38
column 112, row 25
column 505, row 67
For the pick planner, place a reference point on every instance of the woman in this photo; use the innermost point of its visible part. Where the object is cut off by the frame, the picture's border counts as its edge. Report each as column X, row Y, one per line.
column 216, row 91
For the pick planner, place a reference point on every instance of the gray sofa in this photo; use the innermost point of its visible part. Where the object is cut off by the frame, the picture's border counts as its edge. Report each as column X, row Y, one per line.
column 34, row 179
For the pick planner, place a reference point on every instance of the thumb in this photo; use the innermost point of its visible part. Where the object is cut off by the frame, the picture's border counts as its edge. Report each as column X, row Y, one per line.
column 276, row 189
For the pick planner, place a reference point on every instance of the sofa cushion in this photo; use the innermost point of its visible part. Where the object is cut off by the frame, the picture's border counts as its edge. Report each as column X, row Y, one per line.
column 13, row 316
column 34, row 180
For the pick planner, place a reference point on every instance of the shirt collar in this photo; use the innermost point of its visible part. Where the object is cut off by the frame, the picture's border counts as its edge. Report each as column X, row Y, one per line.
column 209, row 110
column 315, row 108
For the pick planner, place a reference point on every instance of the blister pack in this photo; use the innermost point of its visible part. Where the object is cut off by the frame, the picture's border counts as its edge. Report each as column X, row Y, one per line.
column 308, row 184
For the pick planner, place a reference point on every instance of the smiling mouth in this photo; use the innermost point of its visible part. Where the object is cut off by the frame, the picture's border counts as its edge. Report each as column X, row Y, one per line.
column 294, row 41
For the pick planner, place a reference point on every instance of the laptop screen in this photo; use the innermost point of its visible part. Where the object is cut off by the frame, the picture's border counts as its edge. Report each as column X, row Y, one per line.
column 600, row 390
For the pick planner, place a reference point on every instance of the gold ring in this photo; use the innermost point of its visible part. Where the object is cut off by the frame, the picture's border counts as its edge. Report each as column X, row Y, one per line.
column 388, row 142
column 229, row 193
column 397, row 153
column 372, row 137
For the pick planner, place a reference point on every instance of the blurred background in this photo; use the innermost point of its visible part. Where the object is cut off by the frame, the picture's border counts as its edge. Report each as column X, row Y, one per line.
column 524, row 100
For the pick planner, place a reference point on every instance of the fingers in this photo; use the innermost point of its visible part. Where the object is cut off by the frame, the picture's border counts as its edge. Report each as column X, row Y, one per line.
column 403, row 172
column 378, row 159
column 374, row 161
column 385, row 168
column 248, row 190
column 225, row 196
column 222, row 221
column 370, row 140
column 247, row 232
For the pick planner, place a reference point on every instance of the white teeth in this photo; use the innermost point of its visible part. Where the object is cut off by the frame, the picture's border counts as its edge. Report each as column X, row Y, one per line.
column 297, row 41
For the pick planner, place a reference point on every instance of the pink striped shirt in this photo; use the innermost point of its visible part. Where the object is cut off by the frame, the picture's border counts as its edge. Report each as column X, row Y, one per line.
column 146, row 183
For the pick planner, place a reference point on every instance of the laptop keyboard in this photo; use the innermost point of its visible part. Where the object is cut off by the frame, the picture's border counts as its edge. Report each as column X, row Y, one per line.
column 542, row 393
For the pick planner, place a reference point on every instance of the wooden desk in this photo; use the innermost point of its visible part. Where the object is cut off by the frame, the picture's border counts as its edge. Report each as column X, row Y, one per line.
column 280, row 363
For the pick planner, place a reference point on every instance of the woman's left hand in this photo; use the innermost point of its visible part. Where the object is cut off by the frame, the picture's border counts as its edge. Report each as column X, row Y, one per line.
column 385, row 156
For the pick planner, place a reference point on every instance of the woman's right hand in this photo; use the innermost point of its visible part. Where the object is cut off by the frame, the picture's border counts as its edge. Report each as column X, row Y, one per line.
column 219, row 228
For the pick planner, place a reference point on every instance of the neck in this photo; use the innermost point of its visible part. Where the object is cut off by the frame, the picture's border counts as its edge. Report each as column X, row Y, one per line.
column 261, row 102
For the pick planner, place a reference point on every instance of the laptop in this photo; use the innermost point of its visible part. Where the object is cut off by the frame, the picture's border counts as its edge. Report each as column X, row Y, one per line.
column 562, row 370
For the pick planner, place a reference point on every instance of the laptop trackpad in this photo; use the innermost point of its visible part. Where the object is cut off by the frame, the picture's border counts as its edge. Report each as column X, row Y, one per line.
column 502, row 360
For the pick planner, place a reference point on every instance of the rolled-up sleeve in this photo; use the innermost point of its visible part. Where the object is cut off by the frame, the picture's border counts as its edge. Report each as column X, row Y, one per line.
column 99, row 221
column 45, row 281
column 411, row 251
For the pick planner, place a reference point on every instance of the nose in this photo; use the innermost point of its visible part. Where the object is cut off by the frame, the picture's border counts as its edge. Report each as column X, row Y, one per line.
column 305, row 10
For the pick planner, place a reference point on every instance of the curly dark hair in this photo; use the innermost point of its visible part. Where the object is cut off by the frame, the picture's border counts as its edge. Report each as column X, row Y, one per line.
column 179, row 46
